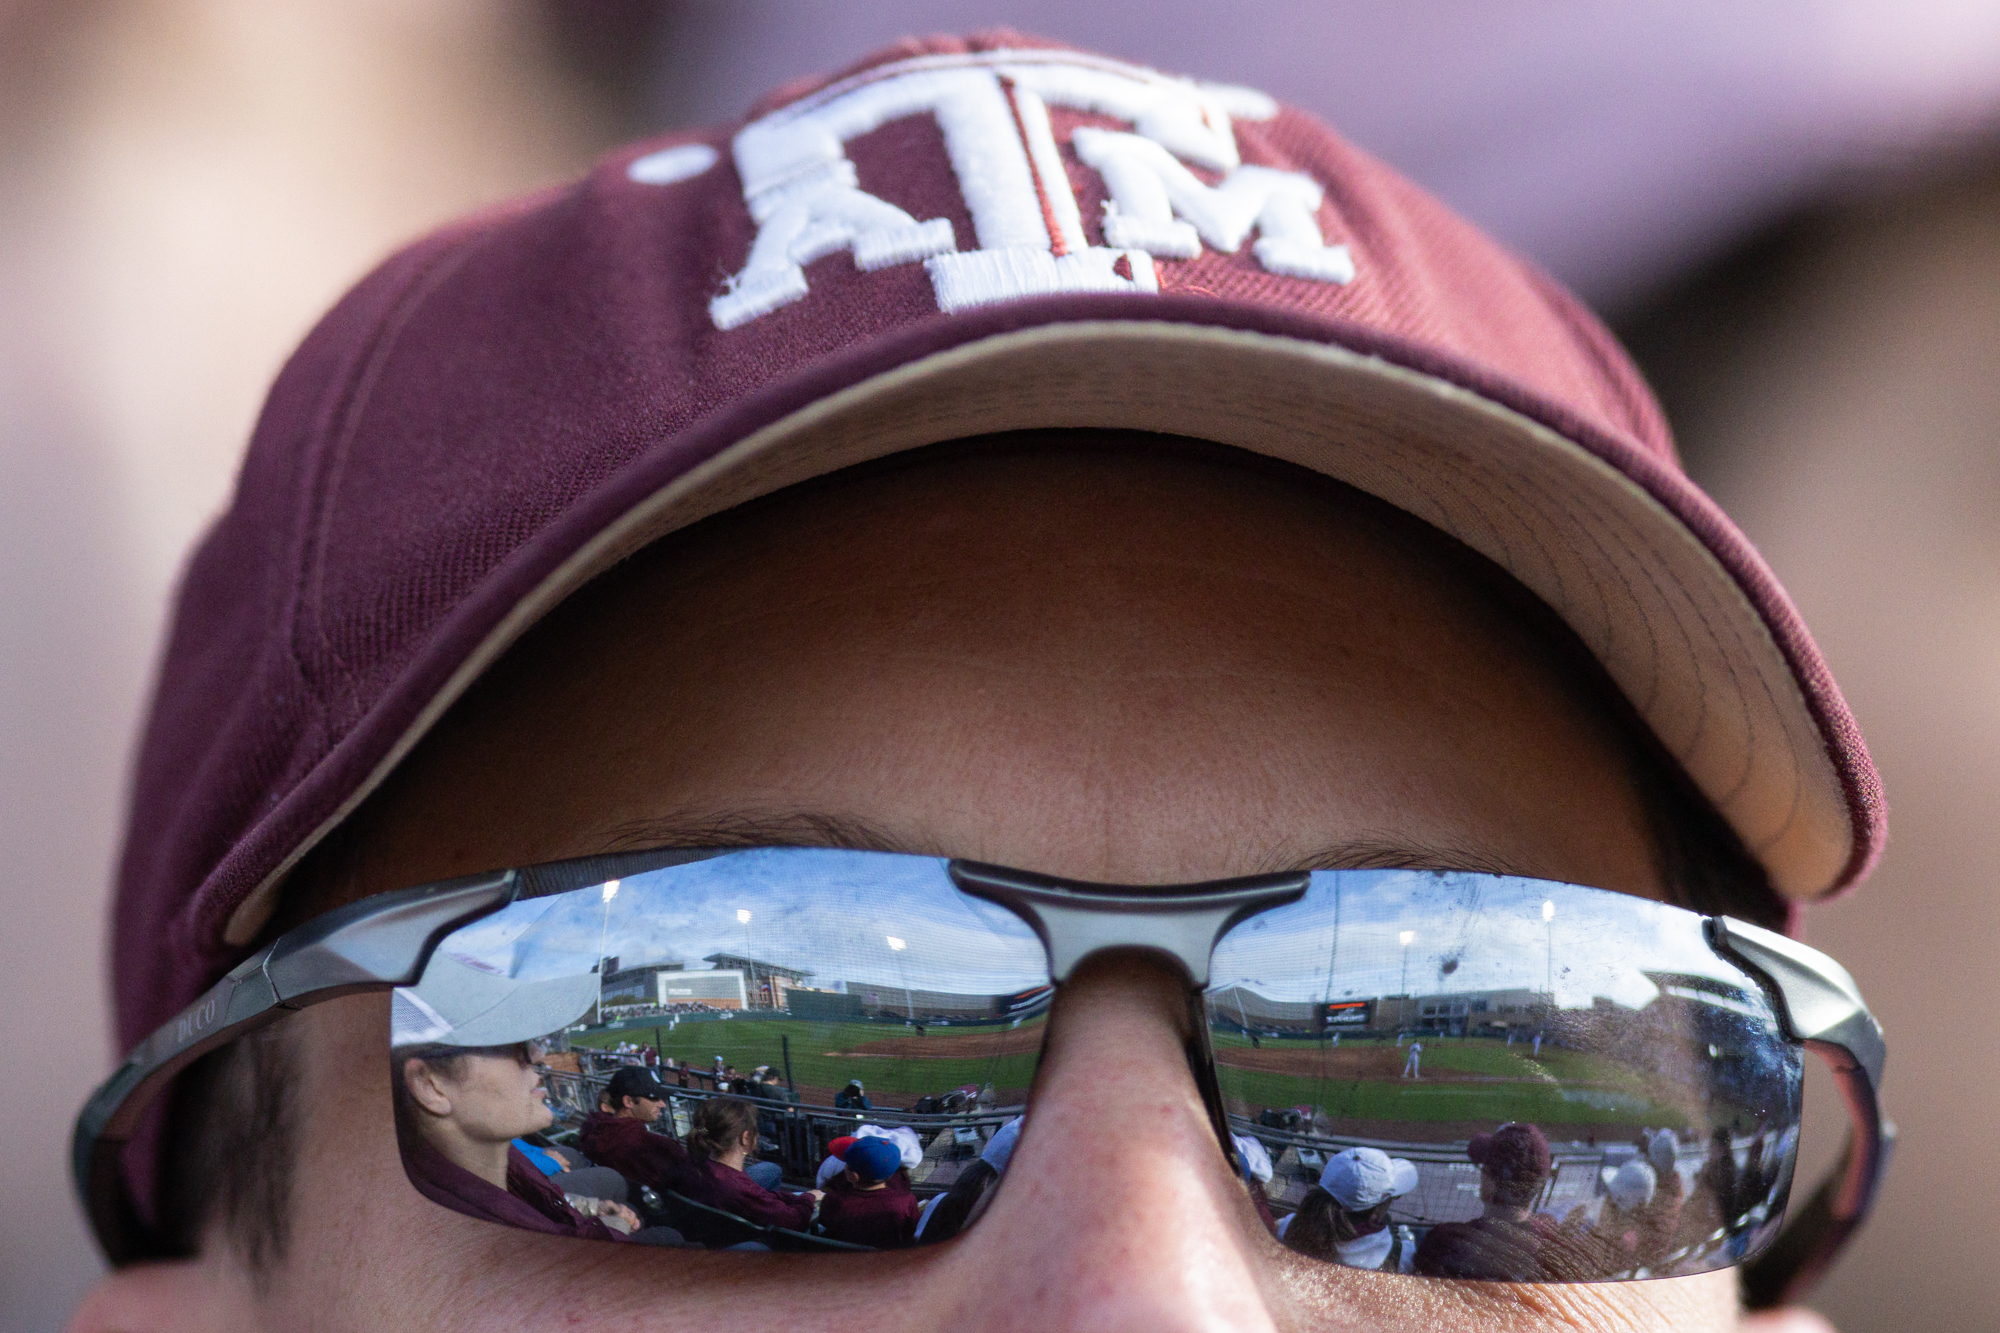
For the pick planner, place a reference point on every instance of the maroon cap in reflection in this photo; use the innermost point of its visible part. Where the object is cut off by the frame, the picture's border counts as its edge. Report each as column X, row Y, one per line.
column 1515, row 1153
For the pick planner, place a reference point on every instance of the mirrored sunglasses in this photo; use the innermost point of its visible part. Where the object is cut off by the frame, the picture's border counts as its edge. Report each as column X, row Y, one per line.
column 1444, row 1073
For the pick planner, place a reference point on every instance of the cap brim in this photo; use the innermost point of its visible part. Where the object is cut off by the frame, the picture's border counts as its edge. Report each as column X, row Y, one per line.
column 484, row 1009
column 1654, row 579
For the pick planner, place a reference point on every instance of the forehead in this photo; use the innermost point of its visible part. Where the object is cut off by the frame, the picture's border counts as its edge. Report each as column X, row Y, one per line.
column 1101, row 655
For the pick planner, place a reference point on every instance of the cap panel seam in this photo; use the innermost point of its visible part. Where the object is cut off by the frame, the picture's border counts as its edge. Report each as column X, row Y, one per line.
column 427, row 276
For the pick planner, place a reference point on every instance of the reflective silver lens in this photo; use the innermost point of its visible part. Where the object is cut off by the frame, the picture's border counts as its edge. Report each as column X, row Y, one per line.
column 805, row 1049
column 1477, row 1076
column 714, row 1031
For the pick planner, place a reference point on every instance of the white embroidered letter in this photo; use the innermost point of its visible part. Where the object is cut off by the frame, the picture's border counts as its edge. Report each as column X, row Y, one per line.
column 1150, row 188
column 992, row 113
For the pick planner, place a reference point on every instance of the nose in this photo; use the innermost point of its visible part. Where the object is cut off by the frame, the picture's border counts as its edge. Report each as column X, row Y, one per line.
column 1118, row 1211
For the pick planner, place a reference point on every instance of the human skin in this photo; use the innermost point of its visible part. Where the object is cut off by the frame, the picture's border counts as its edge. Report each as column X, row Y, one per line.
column 739, row 1152
column 645, row 1110
column 473, row 1114
column 1109, row 665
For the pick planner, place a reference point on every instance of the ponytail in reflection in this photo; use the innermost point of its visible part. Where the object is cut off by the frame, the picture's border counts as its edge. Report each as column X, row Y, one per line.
column 719, row 1125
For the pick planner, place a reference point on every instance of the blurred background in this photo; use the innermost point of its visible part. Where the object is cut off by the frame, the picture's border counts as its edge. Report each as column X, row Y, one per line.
column 1791, row 210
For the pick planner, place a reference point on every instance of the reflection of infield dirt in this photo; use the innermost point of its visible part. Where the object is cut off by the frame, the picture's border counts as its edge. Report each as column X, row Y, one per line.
column 954, row 1045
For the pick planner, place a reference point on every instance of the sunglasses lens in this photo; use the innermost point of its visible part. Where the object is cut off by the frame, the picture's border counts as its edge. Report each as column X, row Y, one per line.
column 788, row 1049
column 1482, row 1077
column 809, row 1050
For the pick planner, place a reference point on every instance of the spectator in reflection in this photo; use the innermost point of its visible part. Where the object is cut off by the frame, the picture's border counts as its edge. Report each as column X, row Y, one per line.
column 546, row 1160
column 721, row 1144
column 458, row 1112
column 766, row 1083
column 576, row 1175
column 852, row 1098
column 1762, row 1166
column 1345, row 1218
column 908, row 1145
column 1710, row 1207
column 947, row 1214
column 1660, row 1226
column 1254, row 1162
column 863, row 1208
column 619, row 1133
column 1508, row 1240
column 1613, row 1242
column 909, row 1149
column 835, row 1163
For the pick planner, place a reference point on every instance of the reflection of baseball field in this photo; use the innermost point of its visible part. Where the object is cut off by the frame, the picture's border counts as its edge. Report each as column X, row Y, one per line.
column 891, row 1061
column 951, row 1044
column 1463, row 1080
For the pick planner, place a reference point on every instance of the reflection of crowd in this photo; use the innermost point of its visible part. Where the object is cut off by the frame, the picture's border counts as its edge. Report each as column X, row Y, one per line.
column 674, row 1010
column 459, row 1113
column 1509, row 1239
column 1639, row 1220
column 868, row 1200
column 972, row 1192
column 470, row 1124
column 719, row 1147
column 1345, row 1217
column 1648, row 1218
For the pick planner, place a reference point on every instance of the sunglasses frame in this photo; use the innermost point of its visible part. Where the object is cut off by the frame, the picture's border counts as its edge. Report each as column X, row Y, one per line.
column 386, row 941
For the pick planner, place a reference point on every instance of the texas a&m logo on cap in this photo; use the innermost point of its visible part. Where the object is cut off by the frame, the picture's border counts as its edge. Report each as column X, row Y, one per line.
column 993, row 111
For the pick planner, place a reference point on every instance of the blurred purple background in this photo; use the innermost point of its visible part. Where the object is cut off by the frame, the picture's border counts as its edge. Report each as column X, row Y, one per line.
column 1791, row 209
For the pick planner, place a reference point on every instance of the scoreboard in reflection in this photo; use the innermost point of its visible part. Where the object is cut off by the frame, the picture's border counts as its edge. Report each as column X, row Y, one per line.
column 1337, row 1015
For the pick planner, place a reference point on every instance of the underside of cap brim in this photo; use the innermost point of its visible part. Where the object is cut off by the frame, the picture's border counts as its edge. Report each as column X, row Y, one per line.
column 1762, row 733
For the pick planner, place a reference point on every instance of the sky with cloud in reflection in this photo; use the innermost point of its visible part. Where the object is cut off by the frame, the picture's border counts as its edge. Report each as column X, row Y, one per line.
column 834, row 914
column 1467, row 933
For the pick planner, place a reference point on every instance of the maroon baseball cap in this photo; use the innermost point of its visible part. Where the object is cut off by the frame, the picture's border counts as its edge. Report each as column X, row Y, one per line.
column 1515, row 1152
column 952, row 239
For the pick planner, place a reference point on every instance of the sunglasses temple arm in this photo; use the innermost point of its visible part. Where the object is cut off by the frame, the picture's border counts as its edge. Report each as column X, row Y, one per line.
column 370, row 945
column 1820, row 1007
column 239, row 1004
column 1809, row 1243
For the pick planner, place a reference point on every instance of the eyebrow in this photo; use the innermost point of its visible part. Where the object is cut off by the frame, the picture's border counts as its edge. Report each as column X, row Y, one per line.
column 757, row 828
column 1392, row 853
column 802, row 828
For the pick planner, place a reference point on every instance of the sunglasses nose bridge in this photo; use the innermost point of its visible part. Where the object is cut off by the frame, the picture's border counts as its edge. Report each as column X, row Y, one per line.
column 1076, row 919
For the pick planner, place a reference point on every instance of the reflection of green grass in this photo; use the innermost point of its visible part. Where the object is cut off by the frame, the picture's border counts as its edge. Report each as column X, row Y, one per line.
column 1562, row 1087
column 1382, row 1099
column 747, row 1043
column 1468, row 1055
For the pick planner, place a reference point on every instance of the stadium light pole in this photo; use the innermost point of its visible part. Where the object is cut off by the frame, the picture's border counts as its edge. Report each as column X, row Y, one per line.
column 896, row 947
column 1407, row 938
column 1549, row 928
column 603, row 935
column 749, row 963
